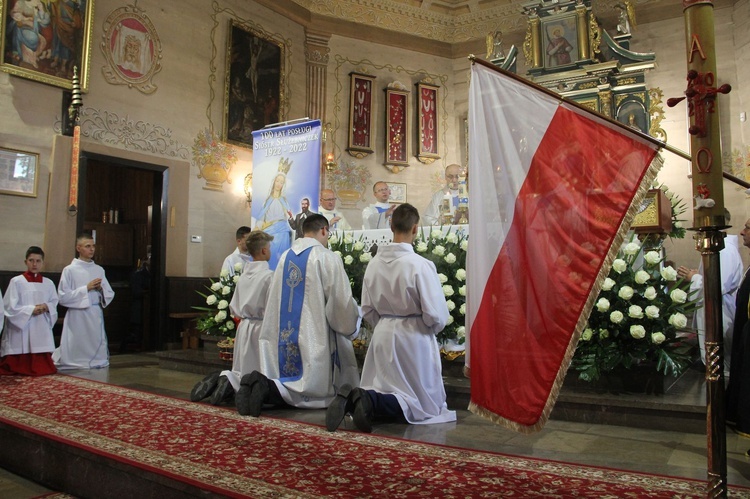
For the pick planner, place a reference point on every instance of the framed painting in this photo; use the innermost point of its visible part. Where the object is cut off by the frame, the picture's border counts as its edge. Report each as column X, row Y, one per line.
column 253, row 88
column 398, row 192
column 18, row 172
column 633, row 113
column 427, row 121
column 44, row 41
column 360, row 115
column 396, row 127
column 560, row 40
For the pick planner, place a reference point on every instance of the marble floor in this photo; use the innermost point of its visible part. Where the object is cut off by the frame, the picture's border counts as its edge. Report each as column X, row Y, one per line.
column 660, row 452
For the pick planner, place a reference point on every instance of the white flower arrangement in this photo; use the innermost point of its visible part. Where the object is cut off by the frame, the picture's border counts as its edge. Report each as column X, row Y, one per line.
column 217, row 320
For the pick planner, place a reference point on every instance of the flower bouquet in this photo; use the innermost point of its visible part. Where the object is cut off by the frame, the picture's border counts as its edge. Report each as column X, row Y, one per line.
column 636, row 318
column 218, row 320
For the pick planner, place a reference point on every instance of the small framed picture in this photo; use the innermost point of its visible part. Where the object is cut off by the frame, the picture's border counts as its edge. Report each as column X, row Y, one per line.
column 18, row 172
column 398, row 192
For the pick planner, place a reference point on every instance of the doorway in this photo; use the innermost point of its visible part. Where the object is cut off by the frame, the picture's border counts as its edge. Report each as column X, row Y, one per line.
column 122, row 203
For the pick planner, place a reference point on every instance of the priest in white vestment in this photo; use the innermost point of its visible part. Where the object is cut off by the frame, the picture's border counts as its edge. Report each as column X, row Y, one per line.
column 85, row 291
column 327, row 208
column 306, row 350
column 248, row 304
column 236, row 260
column 378, row 215
column 449, row 193
column 30, row 305
column 403, row 299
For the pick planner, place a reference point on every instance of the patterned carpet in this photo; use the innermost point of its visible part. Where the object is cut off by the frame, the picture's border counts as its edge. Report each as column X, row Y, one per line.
column 217, row 450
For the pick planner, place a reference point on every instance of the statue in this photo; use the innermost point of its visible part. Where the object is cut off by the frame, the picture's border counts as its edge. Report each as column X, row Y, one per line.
column 625, row 17
column 495, row 46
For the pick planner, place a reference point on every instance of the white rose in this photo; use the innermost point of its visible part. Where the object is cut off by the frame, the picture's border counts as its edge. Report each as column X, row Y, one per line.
column 669, row 274
column 235, row 278
column 642, row 276
column 462, row 290
column 652, row 257
column 626, row 292
column 348, row 259
column 619, row 265
column 678, row 296
column 348, row 239
column 226, row 290
column 449, row 321
column 461, row 332
column 657, row 338
column 635, row 312
column 365, row 257
column 333, row 240
column 238, row 266
column 222, row 305
column 448, row 290
column 450, row 258
column 462, row 309
column 338, row 254
column 220, row 316
column 452, row 238
column 421, row 247
column 650, row 293
column 436, row 234
column 587, row 334
column 638, row 332
column 210, row 300
column 603, row 334
column 461, row 274
column 230, row 325
column 443, row 278
column 677, row 224
column 438, row 250
column 632, row 248
column 616, row 317
column 224, row 273
column 602, row 305
column 677, row 320
column 359, row 246
column 216, row 286
column 451, row 305
column 464, row 244
column 652, row 312
column 608, row 284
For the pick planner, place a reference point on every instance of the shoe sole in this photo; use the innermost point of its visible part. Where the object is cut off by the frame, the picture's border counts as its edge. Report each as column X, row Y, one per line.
column 204, row 387
column 337, row 409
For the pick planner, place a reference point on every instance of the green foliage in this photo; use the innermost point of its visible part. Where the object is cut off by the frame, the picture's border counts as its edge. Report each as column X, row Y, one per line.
column 218, row 321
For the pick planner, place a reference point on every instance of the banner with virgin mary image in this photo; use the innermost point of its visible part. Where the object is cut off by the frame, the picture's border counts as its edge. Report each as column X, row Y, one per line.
column 286, row 181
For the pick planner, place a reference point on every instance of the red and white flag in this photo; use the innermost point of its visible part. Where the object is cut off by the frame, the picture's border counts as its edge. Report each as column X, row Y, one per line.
column 551, row 191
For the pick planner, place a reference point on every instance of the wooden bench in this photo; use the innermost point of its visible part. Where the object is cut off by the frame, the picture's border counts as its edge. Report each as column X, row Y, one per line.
column 189, row 334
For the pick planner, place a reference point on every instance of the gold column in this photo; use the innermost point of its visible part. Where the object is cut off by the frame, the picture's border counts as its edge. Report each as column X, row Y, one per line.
column 316, row 58
column 583, row 32
column 536, row 41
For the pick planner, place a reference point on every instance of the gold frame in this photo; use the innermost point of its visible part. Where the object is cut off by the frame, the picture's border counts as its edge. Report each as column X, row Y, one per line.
column 48, row 75
column 394, row 135
column 18, row 188
column 425, row 156
column 261, row 83
column 359, row 151
column 398, row 192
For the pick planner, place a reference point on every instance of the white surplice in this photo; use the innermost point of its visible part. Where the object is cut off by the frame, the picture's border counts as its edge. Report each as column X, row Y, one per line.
column 342, row 224
column 403, row 299
column 83, row 344
column 233, row 259
column 24, row 331
column 328, row 323
column 249, row 304
column 431, row 215
column 374, row 219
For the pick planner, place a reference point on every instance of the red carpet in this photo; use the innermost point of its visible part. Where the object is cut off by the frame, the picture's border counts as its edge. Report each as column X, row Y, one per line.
column 218, row 450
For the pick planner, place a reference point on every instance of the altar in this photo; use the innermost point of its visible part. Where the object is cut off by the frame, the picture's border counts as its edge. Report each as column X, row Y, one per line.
column 385, row 236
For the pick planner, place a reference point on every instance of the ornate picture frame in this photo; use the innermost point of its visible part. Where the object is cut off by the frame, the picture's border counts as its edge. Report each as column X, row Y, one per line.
column 560, row 40
column 398, row 192
column 632, row 112
column 427, row 123
column 19, row 172
column 45, row 45
column 131, row 48
column 360, row 115
column 396, row 126
column 250, row 101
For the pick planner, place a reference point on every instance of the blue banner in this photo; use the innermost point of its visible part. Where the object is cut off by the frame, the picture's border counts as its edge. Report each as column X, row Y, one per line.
column 286, row 179
column 290, row 313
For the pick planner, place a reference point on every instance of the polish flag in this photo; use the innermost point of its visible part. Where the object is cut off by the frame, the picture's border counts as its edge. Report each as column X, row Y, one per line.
column 551, row 192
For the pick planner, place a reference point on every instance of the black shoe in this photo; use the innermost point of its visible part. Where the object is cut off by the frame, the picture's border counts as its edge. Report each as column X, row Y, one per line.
column 338, row 408
column 362, row 410
column 204, row 387
column 223, row 391
column 252, row 394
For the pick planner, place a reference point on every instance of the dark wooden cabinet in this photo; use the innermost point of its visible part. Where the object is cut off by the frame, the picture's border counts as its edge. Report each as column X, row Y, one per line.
column 114, row 244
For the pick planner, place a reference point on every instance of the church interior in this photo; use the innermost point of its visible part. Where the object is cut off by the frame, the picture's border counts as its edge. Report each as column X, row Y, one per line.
column 162, row 83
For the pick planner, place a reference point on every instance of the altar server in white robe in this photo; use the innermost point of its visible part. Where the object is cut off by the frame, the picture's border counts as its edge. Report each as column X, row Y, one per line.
column 30, row 305
column 378, row 215
column 403, row 299
column 306, row 350
column 85, row 291
column 235, row 261
column 448, row 193
column 249, row 304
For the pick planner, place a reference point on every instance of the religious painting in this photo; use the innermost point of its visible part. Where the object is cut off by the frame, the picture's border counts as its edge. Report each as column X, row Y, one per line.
column 427, row 122
column 44, row 41
column 360, row 115
column 398, row 192
column 396, row 126
column 253, row 88
column 560, row 41
column 132, row 49
column 18, row 172
column 633, row 114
